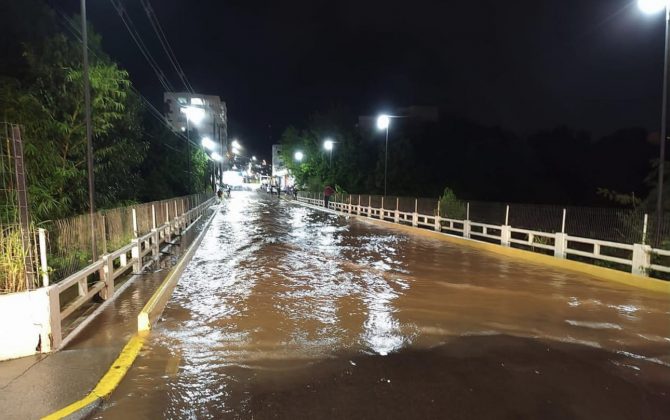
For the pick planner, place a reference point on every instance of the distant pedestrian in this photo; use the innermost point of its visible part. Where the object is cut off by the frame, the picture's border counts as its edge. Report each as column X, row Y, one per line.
column 228, row 191
column 219, row 194
column 327, row 192
column 295, row 193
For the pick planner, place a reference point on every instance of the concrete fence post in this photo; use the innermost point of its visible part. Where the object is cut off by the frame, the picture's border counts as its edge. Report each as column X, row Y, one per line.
column 350, row 210
column 155, row 244
column 108, row 276
column 135, row 253
column 153, row 217
column 381, row 210
column 560, row 245
column 369, row 206
column 438, row 219
column 53, row 336
column 103, row 237
column 358, row 208
column 44, row 267
column 505, row 235
column 415, row 215
column 641, row 259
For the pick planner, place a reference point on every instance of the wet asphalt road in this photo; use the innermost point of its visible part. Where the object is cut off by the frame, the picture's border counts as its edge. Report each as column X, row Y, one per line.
column 288, row 312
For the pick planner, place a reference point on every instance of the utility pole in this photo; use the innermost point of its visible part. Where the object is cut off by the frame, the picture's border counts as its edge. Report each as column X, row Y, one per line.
column 89, row 132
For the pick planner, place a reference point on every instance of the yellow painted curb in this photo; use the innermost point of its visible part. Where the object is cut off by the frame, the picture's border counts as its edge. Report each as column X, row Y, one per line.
column 629, row 279
column 108, row 382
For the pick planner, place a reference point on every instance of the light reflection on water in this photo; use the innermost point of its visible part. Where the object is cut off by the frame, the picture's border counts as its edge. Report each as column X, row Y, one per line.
column 274, row 287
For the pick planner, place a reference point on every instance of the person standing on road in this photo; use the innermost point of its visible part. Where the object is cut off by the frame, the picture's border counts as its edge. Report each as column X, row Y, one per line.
column 327, row 192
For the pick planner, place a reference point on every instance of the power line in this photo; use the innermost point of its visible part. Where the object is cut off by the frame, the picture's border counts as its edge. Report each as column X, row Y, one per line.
column 158, row 29
column 153, row 111
column 134, row 34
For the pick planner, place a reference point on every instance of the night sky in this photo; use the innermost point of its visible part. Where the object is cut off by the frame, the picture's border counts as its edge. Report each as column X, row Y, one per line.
column 522, row 64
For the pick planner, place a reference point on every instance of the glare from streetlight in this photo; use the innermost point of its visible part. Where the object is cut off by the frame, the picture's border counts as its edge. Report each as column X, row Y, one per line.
column 217, row 157
column 236, row 151
column 194, row 114
column 652, row 6
column 328, row 144
column 208, row 144
column 236, row 144
column 298, row 156
column 383, row 122
column 253, row 158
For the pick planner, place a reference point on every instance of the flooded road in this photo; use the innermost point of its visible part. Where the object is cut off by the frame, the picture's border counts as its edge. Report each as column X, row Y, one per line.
column 289, row 312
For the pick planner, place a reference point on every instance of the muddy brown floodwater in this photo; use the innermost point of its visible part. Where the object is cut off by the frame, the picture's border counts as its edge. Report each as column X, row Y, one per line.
column 288, row 312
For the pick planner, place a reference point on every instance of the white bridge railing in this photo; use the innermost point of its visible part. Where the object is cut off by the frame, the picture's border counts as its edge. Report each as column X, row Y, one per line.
column 128, row 259
column 637, row 256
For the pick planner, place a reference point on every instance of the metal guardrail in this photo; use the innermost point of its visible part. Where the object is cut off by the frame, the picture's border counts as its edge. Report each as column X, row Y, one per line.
column 637, row 256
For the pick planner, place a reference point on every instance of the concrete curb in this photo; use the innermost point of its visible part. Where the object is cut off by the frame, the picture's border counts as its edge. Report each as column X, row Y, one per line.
column 603, row 273
column 117, row 371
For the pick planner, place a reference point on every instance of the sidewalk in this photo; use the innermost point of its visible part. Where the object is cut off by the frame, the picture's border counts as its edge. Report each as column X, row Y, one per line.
column 35, row 386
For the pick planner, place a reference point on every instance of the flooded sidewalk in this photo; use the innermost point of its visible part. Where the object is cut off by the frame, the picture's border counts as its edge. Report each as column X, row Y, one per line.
column 290, row 312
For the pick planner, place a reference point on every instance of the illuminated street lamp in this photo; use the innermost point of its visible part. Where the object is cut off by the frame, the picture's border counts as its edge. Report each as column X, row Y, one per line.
column 253, row 158
column 217, row 157
column 193, row 114
column 328, row 145
column 383, row 122
column 650, row 7
column 208, row 144
column 298, row 156
column 236, row 144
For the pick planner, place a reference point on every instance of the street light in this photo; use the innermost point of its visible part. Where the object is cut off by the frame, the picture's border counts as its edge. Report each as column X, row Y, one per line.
column 328, row 145
column 217, row 157
column 253, row 158
column 236, row 144
column 298, row 156
column 649, row 7
column 383, row 122
column 208, row 144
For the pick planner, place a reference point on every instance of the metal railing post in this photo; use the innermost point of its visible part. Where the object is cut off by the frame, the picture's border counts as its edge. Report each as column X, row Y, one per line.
column 44, row 268
column 415, row 215
column 396, row 216
column 644, row 229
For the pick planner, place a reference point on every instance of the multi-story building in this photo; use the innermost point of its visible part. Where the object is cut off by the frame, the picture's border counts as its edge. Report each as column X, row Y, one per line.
column 214, row 118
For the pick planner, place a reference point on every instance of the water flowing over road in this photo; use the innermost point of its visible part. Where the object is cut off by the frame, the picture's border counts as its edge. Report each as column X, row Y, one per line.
column 290, row 312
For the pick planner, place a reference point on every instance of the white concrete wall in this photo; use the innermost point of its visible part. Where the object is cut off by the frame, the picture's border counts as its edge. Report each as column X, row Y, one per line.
column 24, row 318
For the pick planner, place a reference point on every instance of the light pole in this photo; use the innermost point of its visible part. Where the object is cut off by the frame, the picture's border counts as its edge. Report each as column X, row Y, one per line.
column 89, row 130
column 383, row 122
column 649, row 7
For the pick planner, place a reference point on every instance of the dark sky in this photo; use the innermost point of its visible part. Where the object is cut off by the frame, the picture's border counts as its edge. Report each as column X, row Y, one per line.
column 523, row 64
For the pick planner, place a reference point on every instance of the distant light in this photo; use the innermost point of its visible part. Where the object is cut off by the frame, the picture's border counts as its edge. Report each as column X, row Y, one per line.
column 298, row 156
column 328, row 145
column 197, row 101
column 236, row 151
column 194, row 114
column 208, row 144
column 236, row 144
column 264, row 162
column 383, row 122
column 253, row 158
column 217, row 157
column 652, row 6
column 183, row 129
